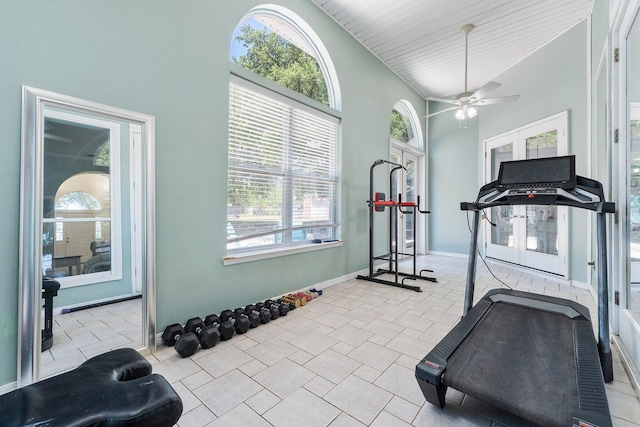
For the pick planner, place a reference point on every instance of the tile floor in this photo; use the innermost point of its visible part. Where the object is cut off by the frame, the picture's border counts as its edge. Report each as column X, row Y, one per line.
column 80, row 335
column 346, row 359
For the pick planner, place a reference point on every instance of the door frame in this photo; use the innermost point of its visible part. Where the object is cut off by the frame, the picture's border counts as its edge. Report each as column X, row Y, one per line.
column 420, row 221
column 628, row 327
column 519, row 253
column 34, row 102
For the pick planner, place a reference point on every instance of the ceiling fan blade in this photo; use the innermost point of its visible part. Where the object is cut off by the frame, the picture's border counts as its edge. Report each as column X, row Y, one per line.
column 442, row 111
column 484, row 90
column 499, row 100
column 447, row 100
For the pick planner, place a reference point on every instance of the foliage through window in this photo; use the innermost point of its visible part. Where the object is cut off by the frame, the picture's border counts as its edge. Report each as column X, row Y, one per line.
column 400, row 129
column 102, row 155
column 77, row 201
column 283, row 176
column 287, row 62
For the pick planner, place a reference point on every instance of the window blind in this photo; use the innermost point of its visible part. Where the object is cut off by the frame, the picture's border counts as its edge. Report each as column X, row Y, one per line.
column 283, row 181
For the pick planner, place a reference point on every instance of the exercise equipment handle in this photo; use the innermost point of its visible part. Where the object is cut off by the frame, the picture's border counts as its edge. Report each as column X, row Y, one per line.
column 418, row 207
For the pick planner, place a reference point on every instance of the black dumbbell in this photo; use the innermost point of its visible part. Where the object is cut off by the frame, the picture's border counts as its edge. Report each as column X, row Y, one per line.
column 263, row 316
column 208, row 335
column 254, row 320
column 273, row 309
column 264, row 311
column 185, row 343
column 240, row 324
column 225, row 329
column 282, row 309
column 291, row 304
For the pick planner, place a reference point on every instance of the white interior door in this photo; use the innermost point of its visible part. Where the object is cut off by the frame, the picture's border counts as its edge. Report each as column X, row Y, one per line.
column 532, row 236
column 627, row 119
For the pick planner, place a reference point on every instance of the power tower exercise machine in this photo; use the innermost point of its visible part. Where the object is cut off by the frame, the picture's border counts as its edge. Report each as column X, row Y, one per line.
column 529, row 354
column 377, row 203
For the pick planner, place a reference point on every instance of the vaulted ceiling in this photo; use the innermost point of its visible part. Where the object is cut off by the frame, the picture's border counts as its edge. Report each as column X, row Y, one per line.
column 420, row 40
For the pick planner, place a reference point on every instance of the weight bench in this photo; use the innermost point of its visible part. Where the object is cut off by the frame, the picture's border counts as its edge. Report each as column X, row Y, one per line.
column 112, row 389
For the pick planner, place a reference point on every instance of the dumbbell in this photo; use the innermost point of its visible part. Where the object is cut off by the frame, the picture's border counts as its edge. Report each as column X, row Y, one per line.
column 302, row 300
column 316, row 291
column 264, row 316
column 276, row 309
column 304, row 295
column 185, row 343
column 283, row 307
column 293, row 304
column 273, row 312
column 225, row 329
column 291, row 300
column 208, row 335
column 254, row 318
column 240, row 324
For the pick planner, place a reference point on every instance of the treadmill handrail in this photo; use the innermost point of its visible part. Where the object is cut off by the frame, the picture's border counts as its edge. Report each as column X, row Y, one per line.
column 589, row 190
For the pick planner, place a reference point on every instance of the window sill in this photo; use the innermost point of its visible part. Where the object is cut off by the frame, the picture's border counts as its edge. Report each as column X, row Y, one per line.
column 278, row 252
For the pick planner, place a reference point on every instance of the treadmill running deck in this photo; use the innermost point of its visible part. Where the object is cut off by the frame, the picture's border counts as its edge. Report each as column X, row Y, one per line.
column 532, row 355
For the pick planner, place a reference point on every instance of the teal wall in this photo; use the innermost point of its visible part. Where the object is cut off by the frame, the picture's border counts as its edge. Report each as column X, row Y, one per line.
column 170, row 59
column 551, row 80
column 454, row 175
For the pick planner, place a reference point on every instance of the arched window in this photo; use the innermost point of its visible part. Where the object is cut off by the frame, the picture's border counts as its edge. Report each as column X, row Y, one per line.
column 83, row 209
column 77, row 201
column 283, row 179
column 275, row 43
column 405, row 126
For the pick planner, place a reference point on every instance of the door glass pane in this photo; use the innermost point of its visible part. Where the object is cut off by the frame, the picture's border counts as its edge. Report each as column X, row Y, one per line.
column 77, row 198
column 542, row 229
column 502, row 216
column 633, row 96
column 410, row 174
column 542, row 221
column 634, row 213
column 542, row 145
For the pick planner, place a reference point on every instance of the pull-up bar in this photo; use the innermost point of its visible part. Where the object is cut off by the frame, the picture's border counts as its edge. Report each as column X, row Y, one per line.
column 377, row 203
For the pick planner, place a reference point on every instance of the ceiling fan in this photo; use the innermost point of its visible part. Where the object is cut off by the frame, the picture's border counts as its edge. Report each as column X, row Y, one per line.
column 466, row 102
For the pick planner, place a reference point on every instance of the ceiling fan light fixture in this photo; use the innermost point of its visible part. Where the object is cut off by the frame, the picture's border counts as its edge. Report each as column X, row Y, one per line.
column 464, row 104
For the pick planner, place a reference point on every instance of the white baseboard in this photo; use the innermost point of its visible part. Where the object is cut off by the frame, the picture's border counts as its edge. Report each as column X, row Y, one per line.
column 449, row 254
column 627, row 363
column 336, row 280
column 8, row 387
column 581, row 285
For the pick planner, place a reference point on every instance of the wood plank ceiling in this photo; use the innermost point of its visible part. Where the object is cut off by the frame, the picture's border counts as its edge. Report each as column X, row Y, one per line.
column 420, row 40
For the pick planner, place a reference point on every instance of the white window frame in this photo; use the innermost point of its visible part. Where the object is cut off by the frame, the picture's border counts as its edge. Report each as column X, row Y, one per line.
column 405, row 108
column 115, row 273
column 305, row 35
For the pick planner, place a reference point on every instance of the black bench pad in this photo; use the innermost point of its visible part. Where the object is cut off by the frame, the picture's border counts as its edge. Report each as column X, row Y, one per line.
column 113, row 389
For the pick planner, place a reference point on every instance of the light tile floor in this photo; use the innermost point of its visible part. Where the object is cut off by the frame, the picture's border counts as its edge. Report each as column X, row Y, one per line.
column 348, row 357
column 345, row 359
column 80, row 335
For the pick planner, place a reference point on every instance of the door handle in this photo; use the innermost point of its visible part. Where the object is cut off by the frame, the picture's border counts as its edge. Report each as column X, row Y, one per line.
column 592, row 264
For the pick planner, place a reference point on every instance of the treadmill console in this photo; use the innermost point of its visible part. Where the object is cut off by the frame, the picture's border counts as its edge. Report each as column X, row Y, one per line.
column 544, row 181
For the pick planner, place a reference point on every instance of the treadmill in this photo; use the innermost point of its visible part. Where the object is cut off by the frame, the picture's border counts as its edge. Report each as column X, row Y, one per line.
column 532, row 355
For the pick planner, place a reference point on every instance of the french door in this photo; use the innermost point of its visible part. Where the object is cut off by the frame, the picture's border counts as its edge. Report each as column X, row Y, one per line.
column 406, row 184
column 532, row 236
column 625, row 173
